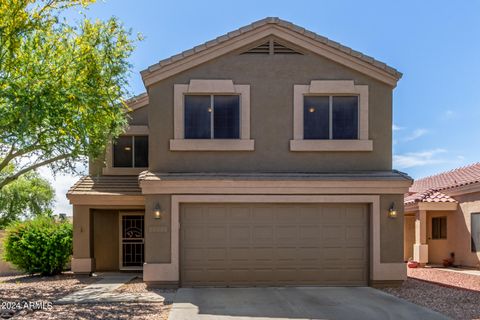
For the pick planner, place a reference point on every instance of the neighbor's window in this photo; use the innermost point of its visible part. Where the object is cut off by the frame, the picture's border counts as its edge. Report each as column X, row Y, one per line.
column 130, row 152
column 330, row 117
column 475, row 231
column 439, row 228
column 212, row 117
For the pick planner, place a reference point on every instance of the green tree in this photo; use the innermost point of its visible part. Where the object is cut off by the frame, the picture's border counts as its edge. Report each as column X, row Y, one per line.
column 61, row 85
column 26, row 197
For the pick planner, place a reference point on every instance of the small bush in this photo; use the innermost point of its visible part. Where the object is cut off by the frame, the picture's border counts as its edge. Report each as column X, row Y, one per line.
column 41, row 245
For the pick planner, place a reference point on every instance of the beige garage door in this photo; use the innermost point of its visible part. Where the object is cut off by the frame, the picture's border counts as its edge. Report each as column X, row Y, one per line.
column 274, row 244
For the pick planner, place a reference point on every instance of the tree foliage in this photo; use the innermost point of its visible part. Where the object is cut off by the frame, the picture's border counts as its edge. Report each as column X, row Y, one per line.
column 41, row 245
column 26, row 197
column 61, row 85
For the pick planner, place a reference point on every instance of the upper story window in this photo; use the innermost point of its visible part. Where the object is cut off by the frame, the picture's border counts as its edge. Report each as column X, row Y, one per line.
column 130, row 152
column 330, row 115
column 212, row 117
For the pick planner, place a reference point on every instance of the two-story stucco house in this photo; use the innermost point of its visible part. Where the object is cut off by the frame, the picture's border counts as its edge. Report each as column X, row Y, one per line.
column 262, row 157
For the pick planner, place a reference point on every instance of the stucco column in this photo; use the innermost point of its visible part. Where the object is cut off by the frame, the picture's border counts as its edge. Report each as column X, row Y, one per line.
column 82, row 261
column 420, row 248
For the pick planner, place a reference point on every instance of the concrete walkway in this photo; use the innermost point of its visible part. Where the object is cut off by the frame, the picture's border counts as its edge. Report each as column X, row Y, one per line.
column 354, row 303
column 103, row 291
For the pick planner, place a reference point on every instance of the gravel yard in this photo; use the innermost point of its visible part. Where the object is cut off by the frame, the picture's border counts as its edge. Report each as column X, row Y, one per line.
column 453, row 302
column 448, row 278
column 23, row 288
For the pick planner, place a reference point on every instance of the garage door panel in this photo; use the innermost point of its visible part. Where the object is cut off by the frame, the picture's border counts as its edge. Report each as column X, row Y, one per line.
column 273, row 244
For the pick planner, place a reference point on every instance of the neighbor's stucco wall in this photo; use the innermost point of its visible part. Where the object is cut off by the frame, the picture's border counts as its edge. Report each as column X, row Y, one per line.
column 468, row 204
column 439, row 249
column 271, row 79
column 408, row 237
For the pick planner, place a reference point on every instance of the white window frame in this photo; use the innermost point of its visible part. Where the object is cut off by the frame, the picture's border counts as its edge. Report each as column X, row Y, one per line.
column 211, row 87
column 330, row 88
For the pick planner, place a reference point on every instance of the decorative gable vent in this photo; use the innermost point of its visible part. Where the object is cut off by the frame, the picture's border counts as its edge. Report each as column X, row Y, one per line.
column 271, row 47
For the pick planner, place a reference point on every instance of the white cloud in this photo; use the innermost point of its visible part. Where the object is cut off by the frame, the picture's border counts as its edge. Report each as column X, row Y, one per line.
column 417, row 133
column 416, row 159
column 449, row 114
column 396, row 127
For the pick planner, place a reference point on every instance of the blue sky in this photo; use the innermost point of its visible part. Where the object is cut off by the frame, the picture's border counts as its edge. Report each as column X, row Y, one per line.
column 435, row 44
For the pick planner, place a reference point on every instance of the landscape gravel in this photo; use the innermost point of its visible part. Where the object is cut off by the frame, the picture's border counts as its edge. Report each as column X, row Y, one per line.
column 453, row 302
column 448, row 278
column 21, row 289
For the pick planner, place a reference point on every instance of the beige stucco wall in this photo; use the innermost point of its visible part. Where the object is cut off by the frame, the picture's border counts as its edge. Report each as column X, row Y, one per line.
column 106, row 240
column 469, row 203
column 391, row 230
column 271, row 79
column 157, row 231
column 409, row 237
column 439, row 249
column 82, row 232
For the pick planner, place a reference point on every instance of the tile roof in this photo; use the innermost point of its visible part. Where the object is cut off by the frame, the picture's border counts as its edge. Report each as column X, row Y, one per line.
column 429, row 189
column 106, row 185
column 428, row 196
column 286, row 24
column 393, row 175
column 454, row 178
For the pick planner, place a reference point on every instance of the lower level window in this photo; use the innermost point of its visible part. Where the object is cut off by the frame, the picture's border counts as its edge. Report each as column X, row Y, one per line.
column 330, row 117
column 212, row 117
column 130, row 152
column 439, row 228
column 475, row 231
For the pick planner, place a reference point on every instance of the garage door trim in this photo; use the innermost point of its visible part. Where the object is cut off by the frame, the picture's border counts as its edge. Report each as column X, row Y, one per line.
column 194, row 217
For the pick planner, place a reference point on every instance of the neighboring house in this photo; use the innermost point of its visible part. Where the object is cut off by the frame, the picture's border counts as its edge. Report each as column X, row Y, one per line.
column 262, row 157
column 442, row 215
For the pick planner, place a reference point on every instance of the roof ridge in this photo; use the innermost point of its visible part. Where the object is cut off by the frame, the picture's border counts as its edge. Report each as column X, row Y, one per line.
column 450, row 171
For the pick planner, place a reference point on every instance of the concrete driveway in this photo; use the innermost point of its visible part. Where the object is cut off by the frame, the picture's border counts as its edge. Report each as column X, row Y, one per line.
column 293, row 303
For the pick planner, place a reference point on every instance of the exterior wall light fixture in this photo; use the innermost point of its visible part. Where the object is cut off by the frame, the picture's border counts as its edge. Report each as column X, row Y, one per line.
column 157, row 211
column 392, row 212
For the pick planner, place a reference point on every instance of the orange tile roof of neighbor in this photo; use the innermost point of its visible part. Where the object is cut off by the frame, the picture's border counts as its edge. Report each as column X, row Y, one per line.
column 429, row 189
column 428, row 196
column 449, row 179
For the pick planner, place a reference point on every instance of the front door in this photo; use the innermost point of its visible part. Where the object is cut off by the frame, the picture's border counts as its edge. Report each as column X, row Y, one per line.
column 132, row 241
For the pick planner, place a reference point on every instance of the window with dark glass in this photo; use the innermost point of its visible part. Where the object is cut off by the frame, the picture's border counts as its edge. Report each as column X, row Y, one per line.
column 475, row 231
column 330, row 117
column 439, row 228
column 130, row 152
column 212, row 117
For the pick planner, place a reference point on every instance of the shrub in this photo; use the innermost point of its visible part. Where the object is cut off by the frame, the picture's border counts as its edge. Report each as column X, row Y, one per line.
column 41, row 245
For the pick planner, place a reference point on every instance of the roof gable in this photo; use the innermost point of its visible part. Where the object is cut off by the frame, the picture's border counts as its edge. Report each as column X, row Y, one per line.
column 265, row 28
